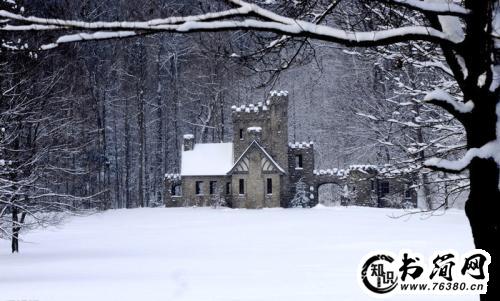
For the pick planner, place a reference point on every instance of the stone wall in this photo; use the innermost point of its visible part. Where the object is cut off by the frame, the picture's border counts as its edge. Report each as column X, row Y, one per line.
column 189, row 196
column 363, row 187
column 367, row 189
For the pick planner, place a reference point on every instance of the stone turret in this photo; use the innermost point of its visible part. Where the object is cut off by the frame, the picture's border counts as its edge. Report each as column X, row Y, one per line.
column 278, row 102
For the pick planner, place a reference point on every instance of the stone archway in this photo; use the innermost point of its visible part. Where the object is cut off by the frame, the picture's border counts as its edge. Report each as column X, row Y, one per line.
column 330, row 194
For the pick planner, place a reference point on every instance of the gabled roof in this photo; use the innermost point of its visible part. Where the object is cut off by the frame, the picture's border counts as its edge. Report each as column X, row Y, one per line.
column 207, row 159
column 256, row 145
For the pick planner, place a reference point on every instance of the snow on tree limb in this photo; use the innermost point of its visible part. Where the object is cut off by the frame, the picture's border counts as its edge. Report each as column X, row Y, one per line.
column 448, row 102
column 426, row 6
column 490, row 150
column 265, row 20
column 100, row 35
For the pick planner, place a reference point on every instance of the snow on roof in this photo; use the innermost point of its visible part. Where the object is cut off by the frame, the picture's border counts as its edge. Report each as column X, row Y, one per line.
column 207, row 159
column 189, row 136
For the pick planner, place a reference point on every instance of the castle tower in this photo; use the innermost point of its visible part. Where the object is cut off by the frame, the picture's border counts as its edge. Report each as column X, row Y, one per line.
column 272, row 117
column 278, row 140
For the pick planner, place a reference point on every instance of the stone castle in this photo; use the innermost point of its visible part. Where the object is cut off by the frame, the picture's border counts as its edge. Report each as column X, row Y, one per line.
column 262, row 168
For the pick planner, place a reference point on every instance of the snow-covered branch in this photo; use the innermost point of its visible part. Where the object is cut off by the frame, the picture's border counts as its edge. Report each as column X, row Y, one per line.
column 255, row 18
column 489, row 150
column 449, row 103
column 443, row 8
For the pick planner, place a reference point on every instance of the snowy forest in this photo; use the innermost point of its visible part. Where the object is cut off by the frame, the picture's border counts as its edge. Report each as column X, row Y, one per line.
column 101, row 122
column 93, row 111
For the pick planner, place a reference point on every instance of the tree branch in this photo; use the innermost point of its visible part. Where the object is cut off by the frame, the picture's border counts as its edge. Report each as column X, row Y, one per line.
column 439, row 8
column 265, row 21
column 451, row 105
column 487, row 151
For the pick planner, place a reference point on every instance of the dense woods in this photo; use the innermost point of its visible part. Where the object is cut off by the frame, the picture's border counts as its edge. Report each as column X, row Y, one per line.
column 112, row 113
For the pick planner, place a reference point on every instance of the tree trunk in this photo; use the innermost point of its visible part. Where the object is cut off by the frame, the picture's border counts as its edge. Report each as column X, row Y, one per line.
column 158, row 174
column 483, row 206
column 127, row 155
column 482, row 209
column 118, row 179
column 141, row 137
column 16, row 228
column 15, row 231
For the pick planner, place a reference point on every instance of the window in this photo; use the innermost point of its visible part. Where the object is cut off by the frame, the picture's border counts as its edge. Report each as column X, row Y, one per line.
column 384, row 187
column 176, row 190
column 199, row 187
column 242, row 186
column 228, row 188
column 241, row 134
column 298, row 161
column 269, row 186
column 372, row 182
column 213, row 187
column 407, row 192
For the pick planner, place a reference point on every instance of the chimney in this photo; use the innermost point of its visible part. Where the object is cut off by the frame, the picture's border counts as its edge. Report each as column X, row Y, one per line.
column 255, row 133
column 188, row 142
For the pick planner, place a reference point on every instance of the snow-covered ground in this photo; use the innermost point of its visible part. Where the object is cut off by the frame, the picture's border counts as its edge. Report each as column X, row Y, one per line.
column 205, row 254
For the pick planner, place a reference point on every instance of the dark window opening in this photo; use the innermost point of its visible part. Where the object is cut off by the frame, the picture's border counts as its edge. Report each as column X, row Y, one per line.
column 269, row 186
column 228, row 188
column 241, row 134
column 213, row 187
column 408, row 193
column 372, row 182
column 176, row 190
column 242, row 186
column 298, row 161
column 199, row 187
column 384, row 187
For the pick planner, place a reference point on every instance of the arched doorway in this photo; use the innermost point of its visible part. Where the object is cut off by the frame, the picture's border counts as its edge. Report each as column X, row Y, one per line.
column 330, row 194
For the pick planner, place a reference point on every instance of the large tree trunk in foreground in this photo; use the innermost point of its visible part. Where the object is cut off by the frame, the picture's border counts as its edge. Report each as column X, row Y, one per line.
column 482, row 209
column 483, row 206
